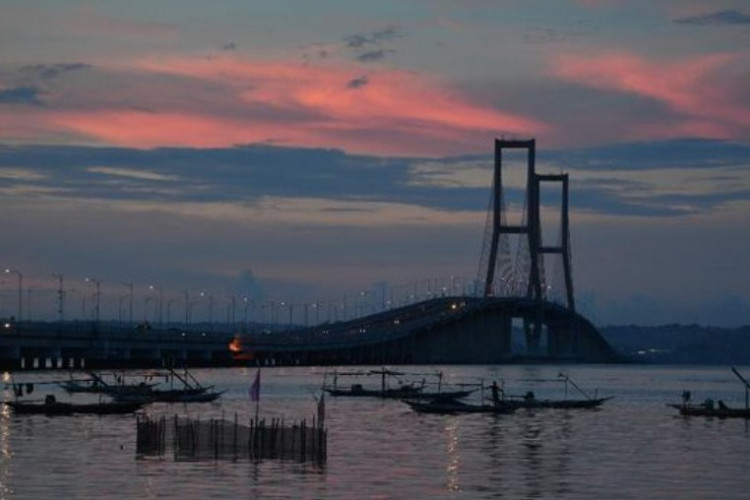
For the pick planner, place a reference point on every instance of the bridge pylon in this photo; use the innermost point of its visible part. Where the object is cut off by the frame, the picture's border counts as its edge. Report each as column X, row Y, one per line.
column 522, row 274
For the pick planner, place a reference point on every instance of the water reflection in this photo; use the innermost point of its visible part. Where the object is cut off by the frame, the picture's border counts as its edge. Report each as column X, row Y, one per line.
column 5, row 452
column 454, row 459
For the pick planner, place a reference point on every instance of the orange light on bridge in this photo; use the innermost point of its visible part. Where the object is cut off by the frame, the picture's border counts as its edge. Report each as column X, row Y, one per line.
column 239, row 352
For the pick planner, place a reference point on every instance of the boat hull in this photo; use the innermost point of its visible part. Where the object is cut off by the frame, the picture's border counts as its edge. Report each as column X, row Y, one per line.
column 57, row 408
column 702, row 411
column 454, row 407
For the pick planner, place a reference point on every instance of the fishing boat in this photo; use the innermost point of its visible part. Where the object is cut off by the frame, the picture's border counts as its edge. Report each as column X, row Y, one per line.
column 405, row 390
column 530, row 401
column 708, row 409
column 186, row 390
column 50, row 406
column 95, row 383
column 453, row 406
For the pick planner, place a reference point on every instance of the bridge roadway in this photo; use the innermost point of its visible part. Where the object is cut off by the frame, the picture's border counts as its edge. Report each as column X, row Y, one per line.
column 458, row 330
column 85, row 345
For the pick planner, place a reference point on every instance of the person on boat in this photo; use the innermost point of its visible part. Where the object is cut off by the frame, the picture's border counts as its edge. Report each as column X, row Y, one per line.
column 686, row 397
column 495, row 394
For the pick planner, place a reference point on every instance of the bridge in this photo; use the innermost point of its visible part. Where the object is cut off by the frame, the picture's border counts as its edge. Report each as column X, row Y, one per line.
column 525, row 312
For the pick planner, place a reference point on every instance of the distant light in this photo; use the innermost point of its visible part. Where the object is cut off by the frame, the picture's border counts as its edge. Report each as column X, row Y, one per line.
column 7, row 325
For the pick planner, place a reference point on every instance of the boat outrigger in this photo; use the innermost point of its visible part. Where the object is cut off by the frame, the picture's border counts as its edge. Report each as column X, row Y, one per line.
column 405, row 390
column 183, row 388
column 503, row 403
column 708, row 409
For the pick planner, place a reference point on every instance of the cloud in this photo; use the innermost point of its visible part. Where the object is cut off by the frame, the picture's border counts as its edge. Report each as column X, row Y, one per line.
column 361, row 40
column 49, row 71
column 720, row 18
column 227, row 100
column 20, row 95
column 368, row 47
column 355, row 83
column 374, row 55
column 704, row 92
column 658, row 179
column 229, row 47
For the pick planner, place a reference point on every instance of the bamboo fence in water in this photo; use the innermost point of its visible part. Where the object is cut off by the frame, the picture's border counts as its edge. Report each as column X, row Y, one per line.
column 196, row 439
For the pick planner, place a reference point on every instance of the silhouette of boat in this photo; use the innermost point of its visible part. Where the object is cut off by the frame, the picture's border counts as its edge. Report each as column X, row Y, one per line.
column 452, row 406
column 189, row 391
column 50, row 406
column 405, row 390
column 708, row 409
column 530, row 401
column 96, row 384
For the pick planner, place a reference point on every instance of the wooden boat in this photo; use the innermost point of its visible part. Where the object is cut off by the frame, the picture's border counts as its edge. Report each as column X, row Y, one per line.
column 195, row 395
column 448, row 406
column 50, row 406
column 708, row 409
column 702, row 410
column 96, row 384
column 410, row 390
column 530, row 401
column 558, row 403
column 190, row 391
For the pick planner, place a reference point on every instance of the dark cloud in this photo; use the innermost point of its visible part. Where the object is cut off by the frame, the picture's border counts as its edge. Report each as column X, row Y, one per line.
column 360, row 40
column 722, row 17
column 247, row 174
column 229, row 47
column 47, row 71
column 369, row 46
column 356, row 41
column 676, row 153
column 20, row 95
column 358, row 82
column 557, row 35
column 374, row 55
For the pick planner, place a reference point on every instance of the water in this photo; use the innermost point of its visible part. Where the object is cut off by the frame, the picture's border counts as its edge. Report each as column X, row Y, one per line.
column 633, row 447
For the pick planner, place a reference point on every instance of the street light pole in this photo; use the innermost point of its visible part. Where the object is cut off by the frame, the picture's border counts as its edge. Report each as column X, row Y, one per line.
column 60, row 296
column 187, row 308
column 160, row 306
column 97, row 294
column 20, row 291
column 130, row 294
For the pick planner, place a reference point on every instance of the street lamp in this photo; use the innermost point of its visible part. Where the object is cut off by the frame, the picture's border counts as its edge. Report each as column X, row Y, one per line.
column 146, row 300
column 187, row 308
column 160, row 305
column 169, row 309
column 97, row 294
column 60, row 296
column 130, row 294
column 244, row 318
column 20, row 290
column 210, row 309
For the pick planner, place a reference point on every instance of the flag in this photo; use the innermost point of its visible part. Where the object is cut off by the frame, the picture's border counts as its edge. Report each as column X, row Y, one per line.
column 255, row 387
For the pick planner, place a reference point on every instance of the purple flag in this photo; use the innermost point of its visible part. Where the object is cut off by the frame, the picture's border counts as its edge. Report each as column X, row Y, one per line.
column 255, row 387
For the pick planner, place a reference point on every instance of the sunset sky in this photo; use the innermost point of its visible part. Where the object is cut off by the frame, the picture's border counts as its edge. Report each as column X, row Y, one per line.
column 301, row 151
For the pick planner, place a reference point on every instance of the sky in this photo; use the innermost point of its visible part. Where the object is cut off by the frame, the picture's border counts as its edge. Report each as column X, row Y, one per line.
column 300, row 152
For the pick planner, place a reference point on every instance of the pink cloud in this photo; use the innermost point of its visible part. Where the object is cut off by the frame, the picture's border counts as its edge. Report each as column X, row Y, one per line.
column 331, row 105
column 694, row 89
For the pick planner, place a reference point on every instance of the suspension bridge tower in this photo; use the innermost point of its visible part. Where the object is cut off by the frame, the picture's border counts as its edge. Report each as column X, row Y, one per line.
column 521, row 272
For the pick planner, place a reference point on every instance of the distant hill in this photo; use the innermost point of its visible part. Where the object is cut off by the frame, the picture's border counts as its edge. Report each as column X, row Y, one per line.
column 681, row 344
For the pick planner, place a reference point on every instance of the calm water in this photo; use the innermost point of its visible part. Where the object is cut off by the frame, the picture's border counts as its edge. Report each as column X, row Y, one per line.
column 633, row 447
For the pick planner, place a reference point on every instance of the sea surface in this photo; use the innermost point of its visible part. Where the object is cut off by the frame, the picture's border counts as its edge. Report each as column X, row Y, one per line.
column 634, row 446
